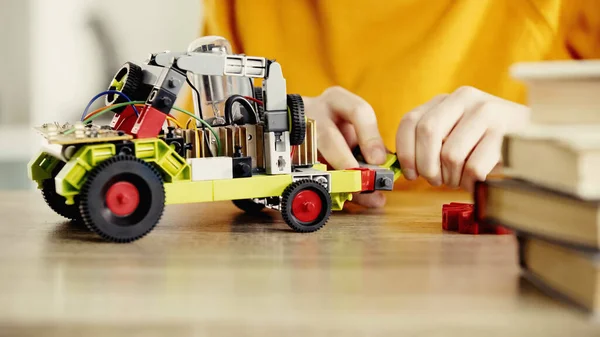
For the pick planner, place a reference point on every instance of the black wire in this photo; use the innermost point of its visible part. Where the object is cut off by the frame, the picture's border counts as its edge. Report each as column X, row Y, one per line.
column 244, row 102
column 187, row 79
column 206, row 139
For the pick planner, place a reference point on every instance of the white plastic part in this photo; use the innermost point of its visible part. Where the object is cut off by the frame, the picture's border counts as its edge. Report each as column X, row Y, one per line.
column 275, row 89
column 277, row 153
column 212, row 168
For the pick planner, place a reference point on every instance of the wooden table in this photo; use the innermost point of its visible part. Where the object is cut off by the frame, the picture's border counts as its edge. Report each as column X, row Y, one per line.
column 208, row 269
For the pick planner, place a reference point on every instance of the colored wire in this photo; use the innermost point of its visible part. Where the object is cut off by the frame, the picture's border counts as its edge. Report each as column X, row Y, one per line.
column 111, row 108
column 106, row 93
column 175, row 121
column 115, row 106
column 204, row 123
column 102, row 108
column 187, row 124
column 254, row 100
column 102, row 112
column 93, row 113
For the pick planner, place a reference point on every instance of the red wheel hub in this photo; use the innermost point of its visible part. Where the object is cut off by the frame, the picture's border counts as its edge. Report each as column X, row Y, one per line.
column 122, row 198
column 307, row 206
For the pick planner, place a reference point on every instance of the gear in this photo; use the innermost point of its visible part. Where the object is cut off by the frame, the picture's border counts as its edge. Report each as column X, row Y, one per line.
column 297, row 119
column 122, row 199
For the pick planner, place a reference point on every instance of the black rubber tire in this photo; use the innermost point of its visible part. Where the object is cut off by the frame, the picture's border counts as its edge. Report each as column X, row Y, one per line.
column 57, row 202
column 297, row 119
column 287, row 199
column 249, row 206
column 131, row 88
column 260, row 108
column 101, row 220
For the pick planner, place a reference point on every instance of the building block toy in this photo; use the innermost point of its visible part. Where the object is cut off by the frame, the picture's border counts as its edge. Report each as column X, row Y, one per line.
column 459, row 217
column 245, row 143
column 466, row 223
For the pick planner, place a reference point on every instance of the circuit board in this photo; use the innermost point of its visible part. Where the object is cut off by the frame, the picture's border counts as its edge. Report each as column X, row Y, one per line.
column 79, row 133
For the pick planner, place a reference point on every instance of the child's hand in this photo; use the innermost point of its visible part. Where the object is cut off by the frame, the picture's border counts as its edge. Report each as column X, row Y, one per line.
column 345, row 120
column 456, row 139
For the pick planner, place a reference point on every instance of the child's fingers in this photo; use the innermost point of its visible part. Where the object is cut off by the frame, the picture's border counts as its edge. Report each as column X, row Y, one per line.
column 406, row 137
column 360, row 114
column 370, row 200
column 333, row 146
column 462, row 140
column 482, row 160
column 435, row 126
column 349, row 133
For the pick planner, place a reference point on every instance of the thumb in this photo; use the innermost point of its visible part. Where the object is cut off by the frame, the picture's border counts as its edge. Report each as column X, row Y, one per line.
column 369, row 200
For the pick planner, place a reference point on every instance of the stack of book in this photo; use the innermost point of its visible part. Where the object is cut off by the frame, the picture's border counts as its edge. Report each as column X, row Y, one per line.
column 550, row 192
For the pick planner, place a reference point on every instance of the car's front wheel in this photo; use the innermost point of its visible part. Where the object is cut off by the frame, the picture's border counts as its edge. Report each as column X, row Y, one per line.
column 306, row 205
column 123, row 199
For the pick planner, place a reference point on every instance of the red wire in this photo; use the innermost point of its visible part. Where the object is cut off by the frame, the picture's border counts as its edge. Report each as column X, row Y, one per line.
column 293, row 150
column 254, row 100
column 104, row 107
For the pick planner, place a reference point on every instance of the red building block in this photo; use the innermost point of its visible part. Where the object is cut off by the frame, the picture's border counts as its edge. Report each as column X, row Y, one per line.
column 367, row 177
column 450, row 215
column 124, row 120
column 148, row 123
column 501, row 230
column 459, row 217
column 466, row 223
column 460, row 204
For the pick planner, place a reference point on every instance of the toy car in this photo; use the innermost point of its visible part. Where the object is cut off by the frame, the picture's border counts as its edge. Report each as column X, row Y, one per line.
column 245, row 143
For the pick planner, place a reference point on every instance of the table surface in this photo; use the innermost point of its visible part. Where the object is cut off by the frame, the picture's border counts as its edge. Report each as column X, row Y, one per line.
column 208, row 268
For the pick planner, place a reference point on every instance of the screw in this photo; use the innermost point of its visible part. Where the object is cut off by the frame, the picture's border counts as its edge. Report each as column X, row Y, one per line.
column 173, row 83
column 166, row 101
column 308, row 206
column 281, row 163
column 385, row 182
column 122, row 198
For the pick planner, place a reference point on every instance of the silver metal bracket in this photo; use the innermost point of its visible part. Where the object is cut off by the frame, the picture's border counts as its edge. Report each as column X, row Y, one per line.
column 323, row 178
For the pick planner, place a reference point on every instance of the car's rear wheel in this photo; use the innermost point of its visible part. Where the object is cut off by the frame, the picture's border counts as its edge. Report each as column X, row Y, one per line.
column 123, row 199
column 249, row 206
column 129, row 81
column 56, row 201
column 297, row 119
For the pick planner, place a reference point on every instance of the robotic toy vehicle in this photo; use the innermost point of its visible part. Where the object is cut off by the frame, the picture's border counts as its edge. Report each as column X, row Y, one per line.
column 250, row 144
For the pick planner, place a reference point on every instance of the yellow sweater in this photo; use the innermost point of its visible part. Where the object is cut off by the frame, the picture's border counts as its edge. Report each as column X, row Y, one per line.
column 399, row 54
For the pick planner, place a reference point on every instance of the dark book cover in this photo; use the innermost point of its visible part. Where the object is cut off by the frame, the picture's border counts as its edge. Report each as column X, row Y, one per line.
column 538, row 282
column 480, row 196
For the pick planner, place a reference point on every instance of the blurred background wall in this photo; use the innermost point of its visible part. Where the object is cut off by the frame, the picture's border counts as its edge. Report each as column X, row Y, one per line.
column 57, row 54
